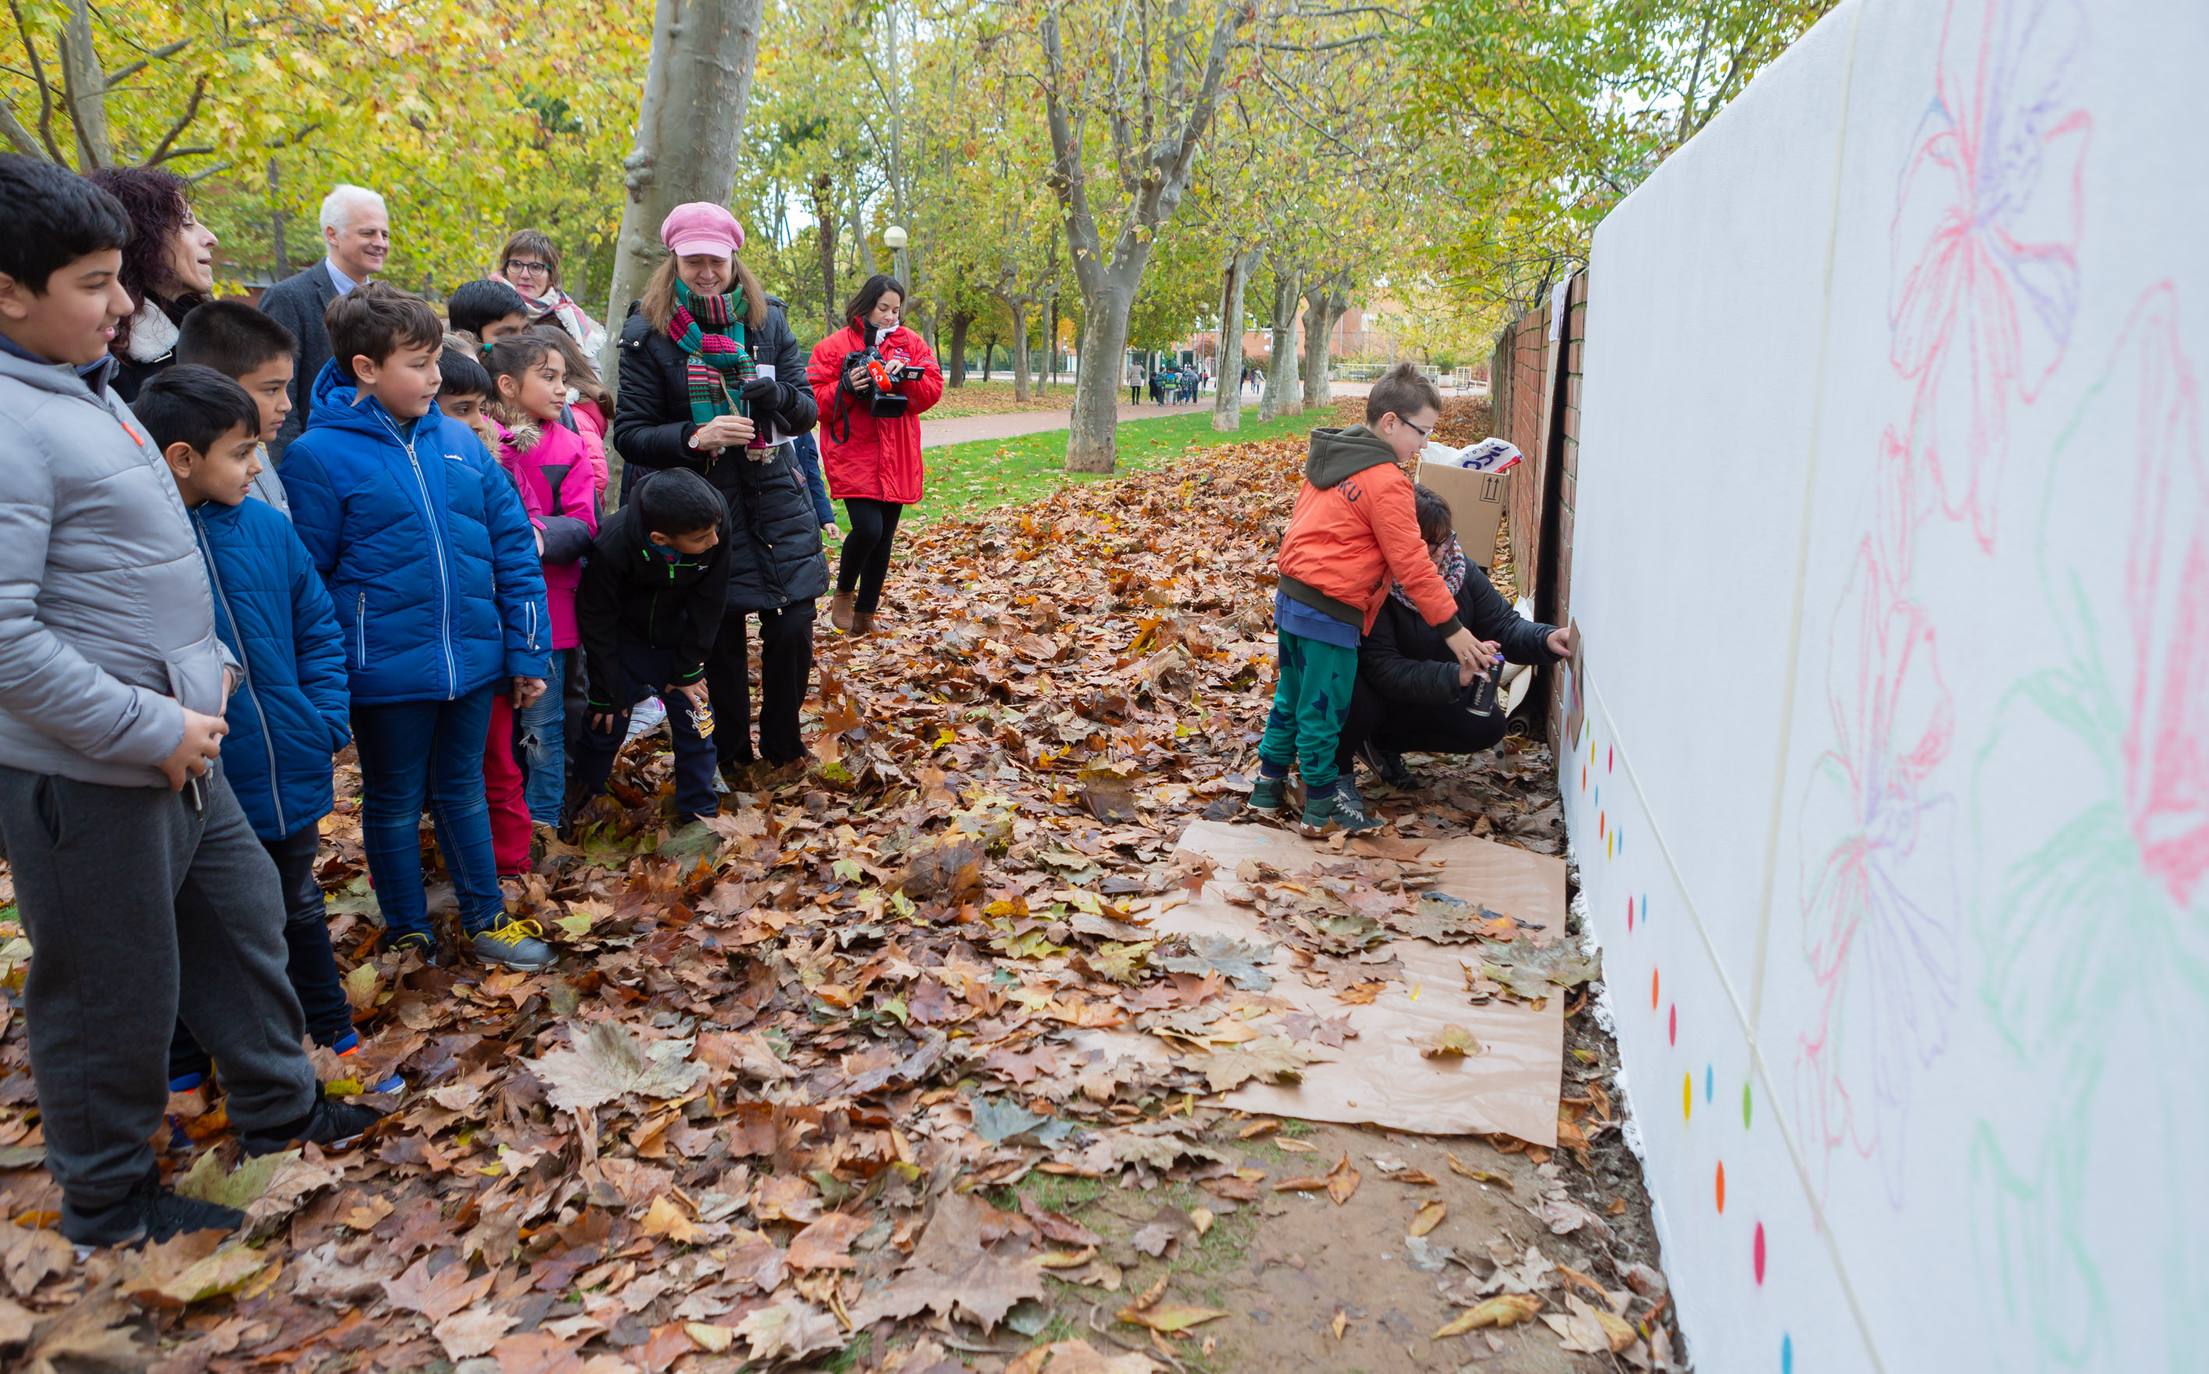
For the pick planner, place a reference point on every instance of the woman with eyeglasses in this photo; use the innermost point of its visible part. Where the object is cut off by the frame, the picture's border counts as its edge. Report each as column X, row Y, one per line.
column 531, row 265
column 1408, row 698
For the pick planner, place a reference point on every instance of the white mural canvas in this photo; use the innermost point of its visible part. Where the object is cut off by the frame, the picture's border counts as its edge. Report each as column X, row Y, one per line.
column 1892, row 796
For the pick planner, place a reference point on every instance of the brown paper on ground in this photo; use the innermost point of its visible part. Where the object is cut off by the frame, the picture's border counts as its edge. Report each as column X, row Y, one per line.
column 1378, row 1076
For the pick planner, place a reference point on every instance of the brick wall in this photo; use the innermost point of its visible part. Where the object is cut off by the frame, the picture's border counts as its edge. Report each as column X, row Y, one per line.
column 1553, row 601
column 1536, row 390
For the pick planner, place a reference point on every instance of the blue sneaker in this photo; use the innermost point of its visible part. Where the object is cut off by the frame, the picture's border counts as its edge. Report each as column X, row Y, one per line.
column 422, row 944
column 186, row 1082
column 348, row 1044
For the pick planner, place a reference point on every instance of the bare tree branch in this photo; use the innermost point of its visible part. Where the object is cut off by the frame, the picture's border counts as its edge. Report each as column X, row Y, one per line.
column 131, row 69
column 45, row 88
column 166, row 148
column 17, row 134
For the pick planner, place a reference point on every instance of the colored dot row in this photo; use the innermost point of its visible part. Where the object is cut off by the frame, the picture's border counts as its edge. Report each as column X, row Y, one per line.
column 1637, row 917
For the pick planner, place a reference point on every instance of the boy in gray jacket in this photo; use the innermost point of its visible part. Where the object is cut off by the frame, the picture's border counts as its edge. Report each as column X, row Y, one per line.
column 137, row 878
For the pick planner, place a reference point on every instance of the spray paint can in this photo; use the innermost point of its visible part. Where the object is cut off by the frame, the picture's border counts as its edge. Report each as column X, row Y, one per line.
column 1482, row 695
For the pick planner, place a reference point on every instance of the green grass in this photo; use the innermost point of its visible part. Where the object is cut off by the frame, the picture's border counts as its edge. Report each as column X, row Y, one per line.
column 964, row 479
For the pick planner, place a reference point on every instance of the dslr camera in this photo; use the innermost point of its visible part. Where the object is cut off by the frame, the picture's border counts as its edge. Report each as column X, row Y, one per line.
column 884, row 377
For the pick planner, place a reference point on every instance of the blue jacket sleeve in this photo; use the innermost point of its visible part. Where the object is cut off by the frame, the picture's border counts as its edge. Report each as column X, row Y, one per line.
column 319, row 647
column 521, row 581
column 316, row 515
column 809, row 461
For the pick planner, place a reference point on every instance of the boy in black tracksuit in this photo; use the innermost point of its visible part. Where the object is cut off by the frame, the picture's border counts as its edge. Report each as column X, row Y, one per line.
column 654, row 592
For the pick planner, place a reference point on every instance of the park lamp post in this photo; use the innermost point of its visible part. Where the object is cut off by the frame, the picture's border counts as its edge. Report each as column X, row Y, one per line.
column 895, row 237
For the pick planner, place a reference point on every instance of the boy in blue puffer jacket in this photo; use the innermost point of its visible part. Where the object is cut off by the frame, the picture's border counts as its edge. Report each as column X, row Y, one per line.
column 287, row 716
column 432, row 566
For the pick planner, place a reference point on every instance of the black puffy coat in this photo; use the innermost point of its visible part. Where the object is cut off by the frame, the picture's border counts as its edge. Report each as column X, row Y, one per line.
column 1404, row 659
column 776, row 559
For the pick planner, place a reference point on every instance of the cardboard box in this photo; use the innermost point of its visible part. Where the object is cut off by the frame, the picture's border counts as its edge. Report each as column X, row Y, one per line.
column 1476, row 504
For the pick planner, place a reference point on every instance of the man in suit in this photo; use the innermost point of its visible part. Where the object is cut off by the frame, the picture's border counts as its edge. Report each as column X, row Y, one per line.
column 357, row 233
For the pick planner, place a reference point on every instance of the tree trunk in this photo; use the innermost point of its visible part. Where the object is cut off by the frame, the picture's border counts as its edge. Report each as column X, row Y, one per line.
column 867, row 266
column 1282, row 394
column 1050, row 344
column 1227, row 401
column 989, row 355
column 1017, row 307
column 1091, row 439
column 701, row 65
column 1318, row 325
column 959, row 322
column 824, row 218
column 279, row 255
column 84, row 87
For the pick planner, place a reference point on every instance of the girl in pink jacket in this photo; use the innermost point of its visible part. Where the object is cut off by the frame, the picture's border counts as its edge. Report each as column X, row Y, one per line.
column 525, row 769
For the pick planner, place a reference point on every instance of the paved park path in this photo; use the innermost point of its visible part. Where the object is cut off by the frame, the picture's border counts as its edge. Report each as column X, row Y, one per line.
column 936, row 433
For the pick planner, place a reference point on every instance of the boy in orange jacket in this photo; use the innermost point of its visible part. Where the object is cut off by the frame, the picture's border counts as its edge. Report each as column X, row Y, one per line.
column 1355, row 529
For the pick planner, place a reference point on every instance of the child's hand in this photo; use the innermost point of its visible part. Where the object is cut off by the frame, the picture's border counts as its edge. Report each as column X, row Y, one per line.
column 693, row 692
column 526, row 692
column 1560, row 643
column 603, row 722
column 201, row 743
column 1474, row 657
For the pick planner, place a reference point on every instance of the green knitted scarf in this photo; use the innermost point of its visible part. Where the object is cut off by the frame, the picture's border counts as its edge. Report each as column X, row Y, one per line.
column 710, row 331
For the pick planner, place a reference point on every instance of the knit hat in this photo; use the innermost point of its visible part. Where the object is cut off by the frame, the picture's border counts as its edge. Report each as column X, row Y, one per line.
column 700, row 226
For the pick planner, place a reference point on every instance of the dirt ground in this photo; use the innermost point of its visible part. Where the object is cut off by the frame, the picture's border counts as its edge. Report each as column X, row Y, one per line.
column 1309, row 1284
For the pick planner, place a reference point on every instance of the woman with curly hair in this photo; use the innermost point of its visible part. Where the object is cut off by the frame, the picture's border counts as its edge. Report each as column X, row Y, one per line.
column 168, row 268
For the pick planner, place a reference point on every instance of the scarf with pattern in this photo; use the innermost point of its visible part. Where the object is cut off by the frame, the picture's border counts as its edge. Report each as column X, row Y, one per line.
column 710, row 331
column 1452, row 570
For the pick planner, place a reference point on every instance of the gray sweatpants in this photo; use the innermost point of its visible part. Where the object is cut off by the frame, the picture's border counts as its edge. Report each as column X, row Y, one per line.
column 139, row 907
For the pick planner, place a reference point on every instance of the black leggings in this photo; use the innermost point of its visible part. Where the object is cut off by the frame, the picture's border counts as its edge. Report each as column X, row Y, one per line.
column 866, row 560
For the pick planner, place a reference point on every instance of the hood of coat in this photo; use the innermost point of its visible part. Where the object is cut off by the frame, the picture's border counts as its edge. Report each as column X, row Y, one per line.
column 84, row 383
column 337, row 403
column 1337, row 454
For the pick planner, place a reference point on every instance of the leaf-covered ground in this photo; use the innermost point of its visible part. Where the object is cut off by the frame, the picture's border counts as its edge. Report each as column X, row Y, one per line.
column 967, row 480
column 978, row 397
column 805, row 1090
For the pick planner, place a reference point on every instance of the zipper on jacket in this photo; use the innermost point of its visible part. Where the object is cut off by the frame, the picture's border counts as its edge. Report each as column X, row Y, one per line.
column 245, row 673
column 360, row 624
column 434, row 519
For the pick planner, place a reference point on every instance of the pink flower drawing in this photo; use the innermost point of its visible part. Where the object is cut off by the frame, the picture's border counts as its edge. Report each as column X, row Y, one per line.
column 1985, row 237
column 1879, row 894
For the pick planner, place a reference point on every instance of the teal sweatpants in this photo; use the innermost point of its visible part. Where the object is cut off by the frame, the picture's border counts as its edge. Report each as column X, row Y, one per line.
column 1309, row 707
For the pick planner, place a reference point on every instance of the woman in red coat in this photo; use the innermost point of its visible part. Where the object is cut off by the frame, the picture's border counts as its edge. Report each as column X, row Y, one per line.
column 870, row 436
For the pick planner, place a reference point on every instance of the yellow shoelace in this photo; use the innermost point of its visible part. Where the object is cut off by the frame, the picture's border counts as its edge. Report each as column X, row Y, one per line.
column 514, row 932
